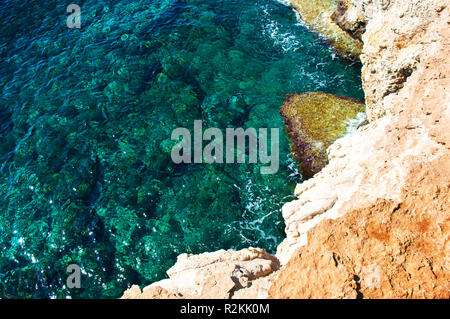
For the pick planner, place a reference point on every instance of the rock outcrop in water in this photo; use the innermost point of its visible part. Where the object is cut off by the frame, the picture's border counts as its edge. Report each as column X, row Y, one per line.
column 321, row 16
column 314, row 120
column 374, row 223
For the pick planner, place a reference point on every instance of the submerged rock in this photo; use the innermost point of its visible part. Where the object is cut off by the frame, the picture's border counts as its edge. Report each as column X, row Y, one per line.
column 314, row 120
column 319, row 16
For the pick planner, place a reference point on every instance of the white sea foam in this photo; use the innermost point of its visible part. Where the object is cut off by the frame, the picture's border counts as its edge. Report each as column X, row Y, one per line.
column 286, row 40
column 352, row 124
column 285, row 2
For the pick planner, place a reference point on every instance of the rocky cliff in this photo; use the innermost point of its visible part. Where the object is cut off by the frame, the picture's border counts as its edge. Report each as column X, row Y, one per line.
column 374, row 222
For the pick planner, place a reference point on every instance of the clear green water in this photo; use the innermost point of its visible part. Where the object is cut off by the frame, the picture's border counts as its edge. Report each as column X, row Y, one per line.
column 86, row 118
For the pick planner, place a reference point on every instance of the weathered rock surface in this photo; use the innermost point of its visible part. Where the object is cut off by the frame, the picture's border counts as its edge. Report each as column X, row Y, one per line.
column 382, row 182
column 389, row 249
column 348, row 18
column 374, row 222
column 318, row 15
column 397, row 39
column 313, row 121
column 221, row 274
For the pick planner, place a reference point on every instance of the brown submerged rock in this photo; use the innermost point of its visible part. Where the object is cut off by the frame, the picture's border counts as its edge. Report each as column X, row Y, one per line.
column 313, row 121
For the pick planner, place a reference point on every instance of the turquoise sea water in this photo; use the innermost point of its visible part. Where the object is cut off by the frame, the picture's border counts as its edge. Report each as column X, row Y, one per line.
column 86, row 117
